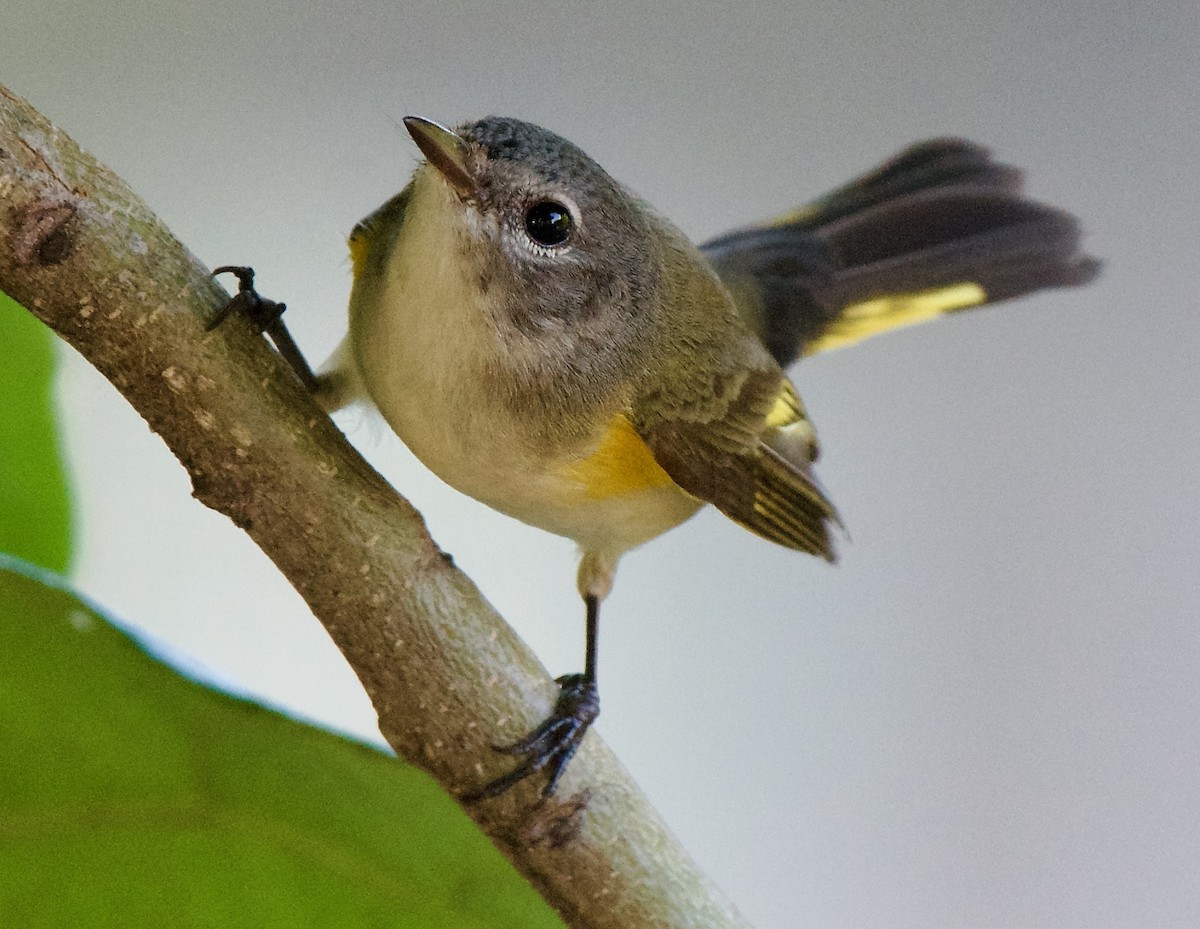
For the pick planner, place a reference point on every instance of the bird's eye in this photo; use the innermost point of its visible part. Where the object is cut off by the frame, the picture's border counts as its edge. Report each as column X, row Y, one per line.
column 549, row 223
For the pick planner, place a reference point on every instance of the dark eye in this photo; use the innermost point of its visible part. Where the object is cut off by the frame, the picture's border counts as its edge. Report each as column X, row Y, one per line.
column 548, row 223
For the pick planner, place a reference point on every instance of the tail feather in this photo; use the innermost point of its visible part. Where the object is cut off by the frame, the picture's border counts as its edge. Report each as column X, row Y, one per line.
column 929, row 240
column 923, row 166
column 939, row 228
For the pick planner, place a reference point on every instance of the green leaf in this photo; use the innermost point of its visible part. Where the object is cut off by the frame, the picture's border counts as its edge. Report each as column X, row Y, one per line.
column 35, row 511
column 133, row 796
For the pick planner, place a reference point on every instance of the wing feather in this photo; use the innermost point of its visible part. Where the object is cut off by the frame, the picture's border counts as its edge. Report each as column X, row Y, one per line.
column 753, row 462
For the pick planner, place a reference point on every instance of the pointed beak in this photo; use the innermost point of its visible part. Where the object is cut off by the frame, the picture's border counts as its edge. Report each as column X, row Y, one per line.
column 445, row 150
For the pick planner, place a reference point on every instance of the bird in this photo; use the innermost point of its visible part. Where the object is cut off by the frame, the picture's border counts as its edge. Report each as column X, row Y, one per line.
column 546, row 342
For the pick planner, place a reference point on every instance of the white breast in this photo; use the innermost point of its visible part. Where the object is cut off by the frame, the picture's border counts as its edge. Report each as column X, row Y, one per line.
column 419, row 334
column 420, row 338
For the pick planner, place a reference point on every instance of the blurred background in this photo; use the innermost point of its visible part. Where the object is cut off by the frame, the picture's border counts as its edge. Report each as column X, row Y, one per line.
column 986, row 715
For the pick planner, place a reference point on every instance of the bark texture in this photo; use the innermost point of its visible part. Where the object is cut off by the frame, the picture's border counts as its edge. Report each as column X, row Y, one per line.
column 446, row 675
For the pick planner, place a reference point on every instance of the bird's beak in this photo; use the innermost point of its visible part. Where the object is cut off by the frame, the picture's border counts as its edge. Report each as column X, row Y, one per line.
column 445, row 150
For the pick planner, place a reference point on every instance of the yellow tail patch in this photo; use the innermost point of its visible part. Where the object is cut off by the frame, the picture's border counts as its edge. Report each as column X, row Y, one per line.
column 895, row 311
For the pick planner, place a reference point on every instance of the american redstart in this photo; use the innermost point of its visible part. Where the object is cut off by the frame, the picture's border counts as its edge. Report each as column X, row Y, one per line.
column 548, row 344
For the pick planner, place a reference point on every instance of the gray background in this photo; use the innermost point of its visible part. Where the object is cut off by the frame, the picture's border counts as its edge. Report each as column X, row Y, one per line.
column 986, row 716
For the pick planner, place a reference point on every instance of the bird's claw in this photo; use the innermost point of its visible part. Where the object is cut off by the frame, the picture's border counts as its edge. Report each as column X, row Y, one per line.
column 267, row 316
column 261, row 311
column 552, row 744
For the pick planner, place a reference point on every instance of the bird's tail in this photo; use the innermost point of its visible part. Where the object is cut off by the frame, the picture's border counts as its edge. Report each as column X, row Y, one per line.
column 939, row 228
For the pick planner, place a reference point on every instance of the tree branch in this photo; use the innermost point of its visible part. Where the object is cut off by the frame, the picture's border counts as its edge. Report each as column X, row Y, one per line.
column 445, row 673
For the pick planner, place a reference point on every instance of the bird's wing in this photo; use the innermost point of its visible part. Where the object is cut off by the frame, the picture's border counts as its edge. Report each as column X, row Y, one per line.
column 751, row 459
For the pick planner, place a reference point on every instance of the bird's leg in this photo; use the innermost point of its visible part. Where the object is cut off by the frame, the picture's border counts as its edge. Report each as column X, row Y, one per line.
column 267, row 316
column 552, row 744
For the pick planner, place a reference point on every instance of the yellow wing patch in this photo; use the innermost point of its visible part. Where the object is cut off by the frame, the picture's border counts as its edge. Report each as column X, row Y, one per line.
column 753, row 464
column 621, row 464
column 788, row 429
column 787, row 408
column 871, row 317
column 789, row 506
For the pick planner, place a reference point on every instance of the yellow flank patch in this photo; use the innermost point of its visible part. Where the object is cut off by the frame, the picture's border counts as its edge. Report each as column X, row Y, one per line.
column 621, row 464
column 895, row 311
column 360, row 244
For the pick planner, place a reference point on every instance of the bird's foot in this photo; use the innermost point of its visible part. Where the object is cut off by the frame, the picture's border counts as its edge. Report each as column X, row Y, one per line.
column 267, row 317
column 248, row 302
column 552, row 744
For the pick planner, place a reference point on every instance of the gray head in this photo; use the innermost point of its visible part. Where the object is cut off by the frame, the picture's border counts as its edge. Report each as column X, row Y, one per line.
column 554, row 241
